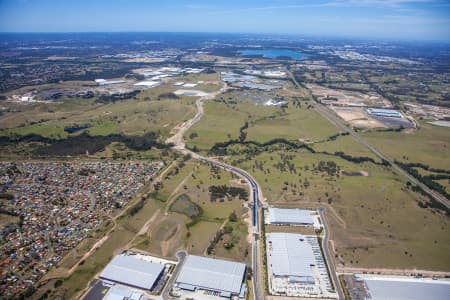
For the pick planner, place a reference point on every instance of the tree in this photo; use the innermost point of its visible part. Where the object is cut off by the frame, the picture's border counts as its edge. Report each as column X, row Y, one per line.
column 232, row 217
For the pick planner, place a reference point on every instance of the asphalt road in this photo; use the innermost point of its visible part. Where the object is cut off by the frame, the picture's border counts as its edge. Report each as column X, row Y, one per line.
column 325, row 111
column 181, row 256
column 256, row 198
column 339, row 123
column 256, row 224
column 329, row 259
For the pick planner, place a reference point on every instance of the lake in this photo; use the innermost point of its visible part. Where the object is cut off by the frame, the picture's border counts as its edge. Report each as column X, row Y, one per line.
column 272, row 53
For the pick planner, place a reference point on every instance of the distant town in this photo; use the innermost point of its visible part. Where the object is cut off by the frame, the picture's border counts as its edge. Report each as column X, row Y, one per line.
column 203, row 166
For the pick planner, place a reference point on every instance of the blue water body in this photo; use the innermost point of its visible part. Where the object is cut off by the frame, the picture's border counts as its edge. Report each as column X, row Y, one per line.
column 75, row 128
column 272, row 53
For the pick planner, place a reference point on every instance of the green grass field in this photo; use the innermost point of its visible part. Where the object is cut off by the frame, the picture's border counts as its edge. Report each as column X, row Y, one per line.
column 374, row 219
column 130, row 117
column 222, row 121
column 346, row 144
column 428, row 145
column 188, row 198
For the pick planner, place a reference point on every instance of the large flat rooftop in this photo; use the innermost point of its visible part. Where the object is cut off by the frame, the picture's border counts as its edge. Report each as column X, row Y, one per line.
column 396, row 288
column 384, row 112
column 206, row 273
column 290, row 255
column 131, row 271
column 290, row 216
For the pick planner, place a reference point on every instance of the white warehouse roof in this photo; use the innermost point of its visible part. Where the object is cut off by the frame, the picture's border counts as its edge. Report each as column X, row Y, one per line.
column 212, row 274
column 148, row 84
column 290, row 216
column 118, row 292
column 388, row 288
column 384, row 112
column 132, row 271
column 290, row 255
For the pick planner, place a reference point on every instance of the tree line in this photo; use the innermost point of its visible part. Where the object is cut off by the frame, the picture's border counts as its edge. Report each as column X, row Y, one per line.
column 80, row 144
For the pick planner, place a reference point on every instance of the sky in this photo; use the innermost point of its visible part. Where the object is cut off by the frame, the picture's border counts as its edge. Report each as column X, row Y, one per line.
column 392, row 19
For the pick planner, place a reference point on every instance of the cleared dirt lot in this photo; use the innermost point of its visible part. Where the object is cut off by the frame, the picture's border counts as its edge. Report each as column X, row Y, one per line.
column 347, row 98
column 357, row 117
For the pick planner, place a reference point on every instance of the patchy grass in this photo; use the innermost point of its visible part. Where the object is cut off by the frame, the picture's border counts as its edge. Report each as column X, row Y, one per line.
column 222, row 121
column 130, row 117
column 234, row 245
column 46, row 130
column 199, row 236
column 428, row 145
column 185, row 206
column 375, row 221
column 346, row 144
column 182, row 227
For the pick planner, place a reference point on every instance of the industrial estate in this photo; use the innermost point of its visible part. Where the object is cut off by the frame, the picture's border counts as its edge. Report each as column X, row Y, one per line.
column 223, row 167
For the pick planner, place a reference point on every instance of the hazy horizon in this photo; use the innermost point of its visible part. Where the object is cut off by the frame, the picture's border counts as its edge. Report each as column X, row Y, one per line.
column 415, row 20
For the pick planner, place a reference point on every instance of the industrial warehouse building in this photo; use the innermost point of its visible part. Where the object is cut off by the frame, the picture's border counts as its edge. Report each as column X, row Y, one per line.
column 295, row 266
column 288, row 216
column 223, row 278
column 134, row 272
column 380, row 112
column 290, row 256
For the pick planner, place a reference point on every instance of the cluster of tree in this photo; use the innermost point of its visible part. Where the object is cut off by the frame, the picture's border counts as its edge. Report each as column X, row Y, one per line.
column 242, row 133
column 227, row 229
column 328, row 167
column 397, row 129
column 168, row 96
column 285, row 164
column 137, row 207
column 117, row 96
column 335, row 136
column 83, row 143
column 221, row 149
column 233, row 217
column 428, row 180
column 222, row 191
column 213, row 243
column 425, row 167
column 431, row 202
column 195, row 218
column 358, row 159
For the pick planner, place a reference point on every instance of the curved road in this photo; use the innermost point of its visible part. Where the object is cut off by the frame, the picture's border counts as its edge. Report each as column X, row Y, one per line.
column 256, row 194
column 256, row 200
